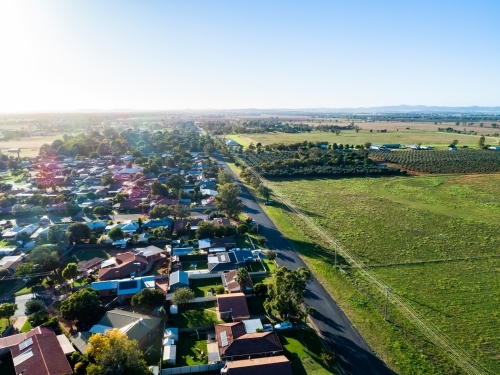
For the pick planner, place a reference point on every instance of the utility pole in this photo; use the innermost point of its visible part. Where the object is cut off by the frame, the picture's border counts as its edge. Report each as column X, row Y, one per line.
column 387, row 291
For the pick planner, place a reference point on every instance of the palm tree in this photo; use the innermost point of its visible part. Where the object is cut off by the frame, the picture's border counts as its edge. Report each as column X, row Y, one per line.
column 242, row 276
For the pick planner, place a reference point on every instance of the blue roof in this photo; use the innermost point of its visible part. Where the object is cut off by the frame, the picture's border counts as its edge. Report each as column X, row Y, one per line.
column 242, row 255
column 125, row 286
column 179, row 277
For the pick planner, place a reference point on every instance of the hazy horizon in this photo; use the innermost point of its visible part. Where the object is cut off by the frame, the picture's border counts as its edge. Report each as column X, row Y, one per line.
column 223, row 55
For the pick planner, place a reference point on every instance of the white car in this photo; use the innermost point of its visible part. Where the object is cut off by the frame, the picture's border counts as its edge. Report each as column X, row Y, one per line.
column 283, row 325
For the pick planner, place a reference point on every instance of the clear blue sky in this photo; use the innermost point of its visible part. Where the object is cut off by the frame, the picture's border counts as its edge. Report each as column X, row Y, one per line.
column 69, row 54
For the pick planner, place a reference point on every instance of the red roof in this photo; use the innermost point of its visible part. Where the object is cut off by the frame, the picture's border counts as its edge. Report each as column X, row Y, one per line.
column 233, row 305
column 47, row 356
column 267, row 365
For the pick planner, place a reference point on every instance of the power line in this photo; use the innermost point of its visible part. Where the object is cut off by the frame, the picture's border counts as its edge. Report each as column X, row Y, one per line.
column 426, row 328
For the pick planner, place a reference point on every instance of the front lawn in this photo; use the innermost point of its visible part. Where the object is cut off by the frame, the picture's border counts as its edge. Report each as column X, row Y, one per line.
column 269, row 265
column 303, row 347
column 196, row 315
column 191, row 350
column 4, row 323
column 201, row 286
column 26, row 327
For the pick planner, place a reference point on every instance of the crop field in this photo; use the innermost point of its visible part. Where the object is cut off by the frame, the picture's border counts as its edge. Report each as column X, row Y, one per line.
column 459, row 161
column 29, row 145
column 430, row 137
column 432, row 239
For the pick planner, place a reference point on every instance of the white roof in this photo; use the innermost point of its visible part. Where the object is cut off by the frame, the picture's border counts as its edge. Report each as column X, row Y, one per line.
column 216, row 249
column 108, row 262
column 170, row 353
column 251, row 325
column 12, row 258
column 66, row 346
column 204, row 243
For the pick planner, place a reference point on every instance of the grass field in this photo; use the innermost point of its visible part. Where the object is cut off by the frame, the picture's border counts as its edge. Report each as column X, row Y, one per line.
column 429, row 137
column 196, row 315
column 29, row 145
column 302, row 347
column 187, row 353
column 432, row 239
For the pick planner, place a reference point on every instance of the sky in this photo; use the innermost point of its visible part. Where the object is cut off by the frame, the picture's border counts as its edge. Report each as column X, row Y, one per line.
column 217, row 54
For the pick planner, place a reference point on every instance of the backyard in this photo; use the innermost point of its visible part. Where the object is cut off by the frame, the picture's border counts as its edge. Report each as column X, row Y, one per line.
column 196, row 315
column 82, row 255
column 201, row 286
column 194, row 265
column 192, row 349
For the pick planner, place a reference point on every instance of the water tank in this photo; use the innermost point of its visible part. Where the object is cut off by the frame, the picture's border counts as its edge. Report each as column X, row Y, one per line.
column 174, row 309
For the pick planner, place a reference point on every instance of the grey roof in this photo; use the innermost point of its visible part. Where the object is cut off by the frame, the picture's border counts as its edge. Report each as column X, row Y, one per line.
column 179, row 277
column 81, row 341
column 139, row 325
column 150, row 251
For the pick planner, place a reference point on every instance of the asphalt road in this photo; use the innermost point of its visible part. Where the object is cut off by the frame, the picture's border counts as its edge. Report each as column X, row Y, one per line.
column 354, row 355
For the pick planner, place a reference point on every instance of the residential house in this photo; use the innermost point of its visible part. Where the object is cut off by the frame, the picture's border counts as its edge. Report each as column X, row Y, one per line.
column 10, row 263
column 180, row 224
column 11, row 233
column 165, row 201
column 97, row 226
column 235, row 344
column 232, row 286
column 136, row 326
column 123, row 265
column 178, row 279
column 219, row 262
column 232, row 307
column 130, row 204
column 39, row 352
column 156, row 223
column 266, row 365
column 221, row 221
column 124, row 288
column 224, row 242
column 129, row 227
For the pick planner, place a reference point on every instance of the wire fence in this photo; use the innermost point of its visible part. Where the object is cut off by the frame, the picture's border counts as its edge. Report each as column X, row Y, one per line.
column 461, row 358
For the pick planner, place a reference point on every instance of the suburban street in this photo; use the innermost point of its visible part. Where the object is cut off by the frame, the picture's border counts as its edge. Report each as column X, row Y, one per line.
column 354, row 355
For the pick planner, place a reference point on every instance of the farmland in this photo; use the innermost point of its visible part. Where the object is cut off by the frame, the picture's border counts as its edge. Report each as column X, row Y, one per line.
column 29, row 145
column 432, row 239
column 427, row 135
column 462, row 161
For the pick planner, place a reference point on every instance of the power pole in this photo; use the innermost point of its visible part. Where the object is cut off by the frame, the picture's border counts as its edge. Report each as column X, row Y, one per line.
column 387, row 291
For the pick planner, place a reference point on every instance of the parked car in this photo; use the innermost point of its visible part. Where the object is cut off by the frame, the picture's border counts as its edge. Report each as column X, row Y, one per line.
column 267, row 327
column 283, row 325
column 268, row 203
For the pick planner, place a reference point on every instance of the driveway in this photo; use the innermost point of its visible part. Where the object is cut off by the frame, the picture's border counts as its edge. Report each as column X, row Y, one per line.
column 354, row 355
column 20, row 301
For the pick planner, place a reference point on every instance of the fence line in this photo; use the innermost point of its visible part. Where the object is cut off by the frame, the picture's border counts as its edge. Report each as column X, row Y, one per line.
column 429, row 330
column 192, row 369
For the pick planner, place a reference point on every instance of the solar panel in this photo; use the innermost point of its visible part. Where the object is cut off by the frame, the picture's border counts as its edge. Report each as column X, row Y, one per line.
column 23, row 357
column 132, row 284
column 25, row 344
column 223, row 339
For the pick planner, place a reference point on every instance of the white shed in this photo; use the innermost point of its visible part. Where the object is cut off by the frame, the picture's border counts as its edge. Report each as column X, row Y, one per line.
column 170, row 353
column 171, row 333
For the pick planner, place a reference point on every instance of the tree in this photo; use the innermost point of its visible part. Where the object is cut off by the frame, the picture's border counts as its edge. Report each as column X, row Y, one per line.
column 4, row 272
column 175, row 182
column 84, row 305
column 205, row 229
column 34, row 306
column 56, row 235
column 99, row 210
column 481, row 141
column 159, row 211
column 270, row 254
column 46, row 258
column 38, row 211
column 264, row 191
column 225, row 177
column 242, row 229
column 286, row 292
column 23, row 238
column 260, row 288
column 7, row 310
column 25, row 269
column 182, row 296
column 161, row 232
column 227, row 199
column 242, row 276
column 148, row 298
column 77, row 232
column 113, row 353
column 116, row 233
column 70, row 272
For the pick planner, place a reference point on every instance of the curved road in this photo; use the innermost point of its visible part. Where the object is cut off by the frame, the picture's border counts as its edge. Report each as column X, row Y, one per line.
column 354, row 355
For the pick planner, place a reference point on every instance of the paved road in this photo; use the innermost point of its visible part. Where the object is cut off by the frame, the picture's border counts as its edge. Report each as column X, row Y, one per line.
column 355, row 356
